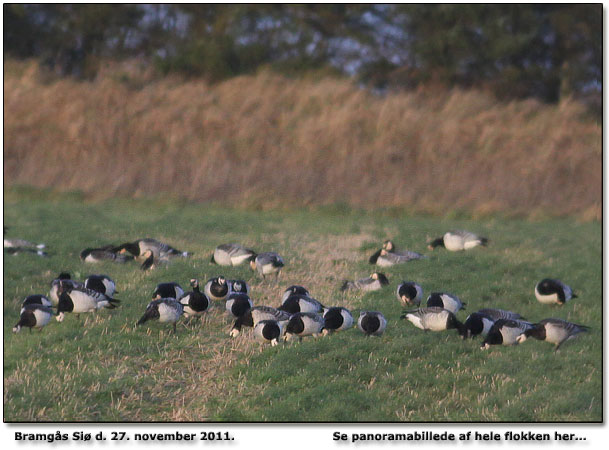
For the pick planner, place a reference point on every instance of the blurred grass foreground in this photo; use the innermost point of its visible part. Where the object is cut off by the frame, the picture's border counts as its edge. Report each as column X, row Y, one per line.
column 267, row 140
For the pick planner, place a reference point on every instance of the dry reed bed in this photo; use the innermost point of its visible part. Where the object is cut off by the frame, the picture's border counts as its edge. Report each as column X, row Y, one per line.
column 265, row 140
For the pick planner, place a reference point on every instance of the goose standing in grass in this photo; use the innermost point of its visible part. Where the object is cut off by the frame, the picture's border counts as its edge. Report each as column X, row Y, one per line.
column 447, row 301
column 217, row 288
column 372, row 323
column 95, row 255
column 374, row 282
column 305, row 324
column 101, row 283
column 505, row 332
column 81, row 300
column 168, row 290
column 301, row 303
column 458, row 240
column 295, row 289
column 254, row 315
column 269, row 331
column 33, row 316
column 238, row 287
column 409, row 293
column 195, row 302
column 267, row 263
column 36, row 299
column 555, row 331
column 165, row 310
column 238, row 304
column 337, row 319
column 159, row 250
column 550, row 291
column 231, row 255
column 65, row 277
column 433, row 319
column 480, row 322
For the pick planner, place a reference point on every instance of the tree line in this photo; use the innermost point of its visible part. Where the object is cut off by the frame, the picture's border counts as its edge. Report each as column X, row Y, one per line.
column 518, row 50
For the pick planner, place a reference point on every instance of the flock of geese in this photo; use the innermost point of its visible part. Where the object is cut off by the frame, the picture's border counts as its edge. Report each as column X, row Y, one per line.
column 300, row 314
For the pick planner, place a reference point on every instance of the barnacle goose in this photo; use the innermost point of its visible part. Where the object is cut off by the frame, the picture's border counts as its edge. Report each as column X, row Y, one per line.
column 217, row 288
column 267, row 263
column 458, row 240
column 33, row 316
column 371, row 323
column 54, row 292
column 301, row 303
column 254, row 315
column 505, row 332
column 305, row 324
column 295, row 289
column 196, row 302
column 95, row 255
column 269, row 331
column 409, row 293
column 550, row 291
column 159, row 250
column 165, row 310
column 231, row 255
column 238, row 304
column 36, row 299
column 337, row 319
column 238, row 287
column 433, row 319
column 447, row 301
column 373, row 283
column 81, row 300
column 555, row 331
column 168, row 290
column 101, row 283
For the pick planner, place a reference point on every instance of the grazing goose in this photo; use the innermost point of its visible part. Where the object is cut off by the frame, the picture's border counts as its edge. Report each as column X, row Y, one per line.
column 433, row 318
column 481, row 322
column 164, row 310
column 550, row 291
column 372, row 323
column 373, row 283
column 305, row 324
column 455, row 241
column 447, row 301
column 168, row 290
column 65, row 277
column 238, row 287
column 301, row 303
column 505, row 332
column 337, row 319
column 101, row 283
column 555, row 331
column 33, row 316
column 159, row 250
column 295, row 289
column 269, row 331
column 36, row 299
column 95, row 255
column 267, row 263
column 217, row 288
column 238, row 304
column 254, row 315
column 409, row 293
column 232, row 255
column 196, row 302
column 81, row 300
column 389, row 255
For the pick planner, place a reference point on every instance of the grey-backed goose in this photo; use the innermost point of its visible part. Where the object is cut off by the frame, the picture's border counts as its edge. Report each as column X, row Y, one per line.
column 371, row 323
column 33, row 316
column 165, row 310
column 457, row 240
column 374, row 282
column 447, row 301
column 267, row 263
column 409, row 293
column 555, row 331
column 505, row 332
column 433, row 319
column 551, row 291
column 231, row 255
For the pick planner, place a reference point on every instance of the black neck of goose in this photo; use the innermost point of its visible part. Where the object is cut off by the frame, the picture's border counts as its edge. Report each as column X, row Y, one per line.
column 374, row 258
column 439, row 242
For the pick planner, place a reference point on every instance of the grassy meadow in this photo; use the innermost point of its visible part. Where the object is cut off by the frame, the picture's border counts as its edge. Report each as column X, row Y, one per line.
column 102, row 368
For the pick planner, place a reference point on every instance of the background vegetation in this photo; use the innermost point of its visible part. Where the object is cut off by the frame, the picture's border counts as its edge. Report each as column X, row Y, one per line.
column 102, row 368
column 267, row 140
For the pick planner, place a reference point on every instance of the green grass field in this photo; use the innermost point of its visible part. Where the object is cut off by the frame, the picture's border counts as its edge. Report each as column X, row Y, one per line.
column 102, row 368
